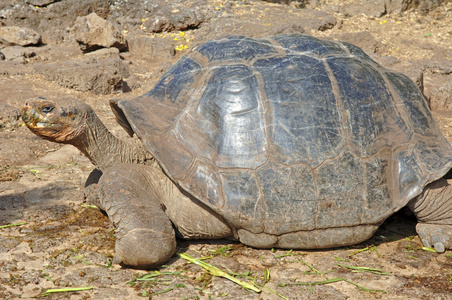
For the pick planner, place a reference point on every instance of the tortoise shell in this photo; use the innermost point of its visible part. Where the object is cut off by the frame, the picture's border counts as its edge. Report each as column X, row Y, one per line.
column 290, row 133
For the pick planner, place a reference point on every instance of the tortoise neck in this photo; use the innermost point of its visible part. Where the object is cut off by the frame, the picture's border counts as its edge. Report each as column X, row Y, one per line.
column 104, row 149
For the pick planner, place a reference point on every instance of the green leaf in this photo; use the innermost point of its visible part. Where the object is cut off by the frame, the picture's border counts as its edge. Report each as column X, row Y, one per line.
column 428, row 249
column 221, row 251
column 65, row 290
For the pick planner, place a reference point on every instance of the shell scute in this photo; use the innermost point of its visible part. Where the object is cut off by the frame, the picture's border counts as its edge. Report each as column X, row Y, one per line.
column 304, row 120
column 372, row 116
column 235, row 48
column 297, row 44
column 230, row 112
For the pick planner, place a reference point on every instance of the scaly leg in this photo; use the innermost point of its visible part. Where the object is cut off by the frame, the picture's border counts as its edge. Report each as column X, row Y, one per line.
column 145, row 235
column 433, row 209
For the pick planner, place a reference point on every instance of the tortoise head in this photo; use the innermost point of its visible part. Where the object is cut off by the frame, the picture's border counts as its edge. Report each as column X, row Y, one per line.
column 61, row 121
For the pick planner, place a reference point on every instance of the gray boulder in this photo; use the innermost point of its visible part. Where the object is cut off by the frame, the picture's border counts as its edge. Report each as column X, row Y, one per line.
column 438, row 84
column 40, row 3
column 378, row 8
column 99, row 76
column 92, row 33
column 398, row 6
column 18, row 53
column 104, row 53
column 13, row 35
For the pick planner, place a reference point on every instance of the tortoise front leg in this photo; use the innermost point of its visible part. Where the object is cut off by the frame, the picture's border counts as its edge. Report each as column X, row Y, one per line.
column 433, row 209
column 145, row 236
column 91, row 188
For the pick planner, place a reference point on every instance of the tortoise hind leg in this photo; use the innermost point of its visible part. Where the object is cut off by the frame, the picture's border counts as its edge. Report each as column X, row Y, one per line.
column 433, row 209
column 145, row 236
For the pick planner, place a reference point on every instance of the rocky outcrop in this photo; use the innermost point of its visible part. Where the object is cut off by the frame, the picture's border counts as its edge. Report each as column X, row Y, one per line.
column 92, row 33
column 18, row 36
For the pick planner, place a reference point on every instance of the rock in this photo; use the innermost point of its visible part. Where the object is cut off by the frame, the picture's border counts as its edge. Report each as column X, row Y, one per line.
column 317, row 20
column 307, row 20
column 279, row 22
column 62, row 15
column 378, row 8
column 104, row 53
column 434, row 79
column 438, row 84
column 413, row 71
column 364, row 40
column 368, row 8
column 438, row 90
column 396, row 6
column 57, row 52
column 103, row 76
column 294, row 3
column 92, row 33
column 40, row 3
column 53, row 21
column 180, row 15
column 151, row 48
column 131, row 84
column 13, row 35
column 18, row 53
column 399, row 6
column 168, row 21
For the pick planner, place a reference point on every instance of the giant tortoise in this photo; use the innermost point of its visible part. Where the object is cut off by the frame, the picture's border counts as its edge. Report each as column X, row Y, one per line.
column 288, row 141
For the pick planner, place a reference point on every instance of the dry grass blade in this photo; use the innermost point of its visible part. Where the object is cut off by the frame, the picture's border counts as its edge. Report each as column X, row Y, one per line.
column 65, row 290
column 358, row 251
column 162, row 292
column 316, row 282
column 221, row 251
column 364, row 288
column 152, row 275
column 371, row 248
column 365, row 269
column 333, row 280
column 289, row 253
column 217, row 272
column 276, row 293
column 314, row 269
column 12, row 225
column 266, row 275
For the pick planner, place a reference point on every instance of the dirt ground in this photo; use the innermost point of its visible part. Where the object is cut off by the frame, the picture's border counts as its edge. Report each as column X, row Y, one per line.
column 59, row 241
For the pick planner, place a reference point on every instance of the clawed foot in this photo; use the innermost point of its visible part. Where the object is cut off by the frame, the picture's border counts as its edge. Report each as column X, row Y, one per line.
column 437, row 236
column 144, row 248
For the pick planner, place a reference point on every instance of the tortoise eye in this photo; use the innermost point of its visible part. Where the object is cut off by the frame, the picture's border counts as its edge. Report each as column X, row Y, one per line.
column 47, row 109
